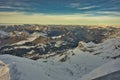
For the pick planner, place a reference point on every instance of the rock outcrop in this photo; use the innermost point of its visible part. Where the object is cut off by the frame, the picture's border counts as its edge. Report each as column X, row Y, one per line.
column 4, row 71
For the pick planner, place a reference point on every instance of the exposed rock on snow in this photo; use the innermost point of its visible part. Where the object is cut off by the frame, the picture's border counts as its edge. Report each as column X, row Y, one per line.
column 4, row 71
column 86, row 47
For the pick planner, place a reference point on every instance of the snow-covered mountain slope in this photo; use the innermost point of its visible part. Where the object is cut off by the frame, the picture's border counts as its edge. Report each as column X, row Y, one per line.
column 48, row 69
column 108, row 71
column 109, row 48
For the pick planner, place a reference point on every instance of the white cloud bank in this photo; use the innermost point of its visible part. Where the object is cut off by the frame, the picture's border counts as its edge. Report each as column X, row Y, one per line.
column 73, row 19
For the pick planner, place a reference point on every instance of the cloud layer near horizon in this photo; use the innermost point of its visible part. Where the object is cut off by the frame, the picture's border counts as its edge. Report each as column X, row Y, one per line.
column 60, row 11
column 74, row 19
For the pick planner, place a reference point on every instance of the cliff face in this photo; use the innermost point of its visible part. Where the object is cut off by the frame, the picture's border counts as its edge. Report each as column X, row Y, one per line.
column 4, row 71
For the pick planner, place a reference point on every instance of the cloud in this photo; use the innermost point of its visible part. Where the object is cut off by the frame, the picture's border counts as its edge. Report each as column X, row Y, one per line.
column 87, row 7
column 73, row 19
column 3, row 14
column 5, row 7
column 74, row 5
column 10, row 7
column 44, row 12
column 60, row 6
column 16, row 5
column 113, row 13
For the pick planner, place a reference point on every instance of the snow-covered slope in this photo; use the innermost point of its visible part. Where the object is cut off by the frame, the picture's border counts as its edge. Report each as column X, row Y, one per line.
column 103, row 72
column 49, row 69
column 109, row 48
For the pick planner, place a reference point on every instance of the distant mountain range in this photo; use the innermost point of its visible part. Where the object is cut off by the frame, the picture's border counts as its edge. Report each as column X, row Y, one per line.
column 89, row 60
column 32, row 41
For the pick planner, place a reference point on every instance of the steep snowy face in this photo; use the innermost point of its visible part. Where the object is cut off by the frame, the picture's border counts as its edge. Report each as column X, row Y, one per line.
column 105, row 71
column 110, row 48
column 4, row 71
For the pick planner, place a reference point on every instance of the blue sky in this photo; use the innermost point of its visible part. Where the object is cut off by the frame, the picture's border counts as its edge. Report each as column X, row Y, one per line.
column 60, row 11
